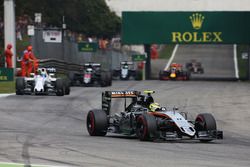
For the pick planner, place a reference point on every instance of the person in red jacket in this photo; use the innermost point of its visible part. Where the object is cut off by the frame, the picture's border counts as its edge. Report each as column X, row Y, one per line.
column 8, row 56
column 33, row 61
column 25, row 64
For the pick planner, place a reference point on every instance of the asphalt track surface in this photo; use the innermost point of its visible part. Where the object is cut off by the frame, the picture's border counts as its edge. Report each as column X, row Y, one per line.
column 217, row 60
column 51, row 130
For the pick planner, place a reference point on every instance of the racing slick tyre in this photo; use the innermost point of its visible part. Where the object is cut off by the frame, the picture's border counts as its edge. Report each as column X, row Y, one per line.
column 146, row 127
column 103, row 83
column 202, row 71
column 186, row 75
column 161, row 75
column 110, row 82
column 109, row 79
column 205, row 122
column 67, row 87
column 103, row 79
column 59, row 87
column 72, row 78
column 115, row 73
column 20, row 86
column 97, row 123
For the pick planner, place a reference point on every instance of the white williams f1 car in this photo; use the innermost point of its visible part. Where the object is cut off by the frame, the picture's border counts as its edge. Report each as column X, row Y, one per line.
column 44, row 82
column 125, row 72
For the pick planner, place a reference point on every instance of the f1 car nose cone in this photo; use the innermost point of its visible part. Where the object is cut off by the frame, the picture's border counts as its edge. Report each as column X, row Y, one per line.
column 172, row 75
column 38, row 90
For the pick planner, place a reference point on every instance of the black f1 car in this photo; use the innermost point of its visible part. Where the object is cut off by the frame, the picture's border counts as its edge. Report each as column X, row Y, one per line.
column 175, row 72
column 195, row 67
column 148, row 121
column 44, row 82
column 91, row 75
column 125, row 72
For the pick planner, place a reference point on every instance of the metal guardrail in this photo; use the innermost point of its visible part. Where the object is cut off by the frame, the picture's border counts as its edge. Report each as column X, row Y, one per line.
column 61, row 66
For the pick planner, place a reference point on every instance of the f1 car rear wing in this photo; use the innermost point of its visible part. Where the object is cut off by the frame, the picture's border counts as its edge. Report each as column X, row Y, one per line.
column 51, row 70
column 92, row 64
column 127, row 62
column 108, row 95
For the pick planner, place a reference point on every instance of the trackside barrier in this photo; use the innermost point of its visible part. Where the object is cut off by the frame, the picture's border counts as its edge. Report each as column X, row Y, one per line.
column 61, row 66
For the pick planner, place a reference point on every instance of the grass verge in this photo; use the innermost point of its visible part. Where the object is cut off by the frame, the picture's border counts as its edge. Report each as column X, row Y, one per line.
column 19, row 165
column 7, row 87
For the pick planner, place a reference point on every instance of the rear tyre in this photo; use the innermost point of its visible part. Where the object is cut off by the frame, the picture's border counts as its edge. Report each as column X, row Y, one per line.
column 109, row 79
column 72, row 78
column 105, row 80
column 20, row 86
column 59, row 87
column 67, row 87
column 146, row 127
column 205, row 122
column 202, row 71
column 97, row 123
column 110, row 82
column 186, row 75
column 161, row 75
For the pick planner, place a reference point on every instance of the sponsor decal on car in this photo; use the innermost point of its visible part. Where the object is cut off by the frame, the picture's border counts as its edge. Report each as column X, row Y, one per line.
column 123, row 94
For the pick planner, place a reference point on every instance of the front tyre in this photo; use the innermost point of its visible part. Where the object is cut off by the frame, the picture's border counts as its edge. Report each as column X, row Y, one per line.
column 161, row 75
column 205, row 122
column 146, row 127
column 67, row 87
column 20, row 86
column 97, row 123
column 59, row 87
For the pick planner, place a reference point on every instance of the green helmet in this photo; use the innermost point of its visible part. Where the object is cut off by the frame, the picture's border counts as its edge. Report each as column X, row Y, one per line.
column 154, row 107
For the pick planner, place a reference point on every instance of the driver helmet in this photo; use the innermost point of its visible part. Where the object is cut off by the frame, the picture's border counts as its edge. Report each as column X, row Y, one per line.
column 125, row 66
column 154, row 107
column 89, row 70
column 41, row 72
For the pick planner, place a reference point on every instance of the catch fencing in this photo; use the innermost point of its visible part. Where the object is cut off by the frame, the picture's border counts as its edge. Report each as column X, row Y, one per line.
column 65, row 55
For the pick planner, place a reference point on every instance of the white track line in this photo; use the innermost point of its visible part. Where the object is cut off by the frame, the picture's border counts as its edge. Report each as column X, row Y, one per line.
column 33, row 165
column 236, row 62
column 5, row 94
column 172, row 56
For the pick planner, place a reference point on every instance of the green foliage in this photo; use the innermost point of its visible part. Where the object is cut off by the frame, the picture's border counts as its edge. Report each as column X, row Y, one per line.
column 7, row 87
column 90, row 17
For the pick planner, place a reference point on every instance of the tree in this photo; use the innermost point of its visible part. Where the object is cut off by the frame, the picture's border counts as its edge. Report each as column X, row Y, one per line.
column 91, row 17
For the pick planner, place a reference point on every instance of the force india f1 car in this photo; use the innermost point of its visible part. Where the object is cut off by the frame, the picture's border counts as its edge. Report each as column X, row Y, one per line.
column 44, row 82
column 195, row 67
column 92, row 75
column 125, row 72
column 143, row 119
column 175, row 72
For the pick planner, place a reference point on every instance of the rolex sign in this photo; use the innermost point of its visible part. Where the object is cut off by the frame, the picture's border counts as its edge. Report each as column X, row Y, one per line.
column 196, row 20
column 185, row 27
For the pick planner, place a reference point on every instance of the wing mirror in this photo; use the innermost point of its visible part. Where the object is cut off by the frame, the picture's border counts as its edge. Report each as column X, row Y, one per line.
column 175, row 108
